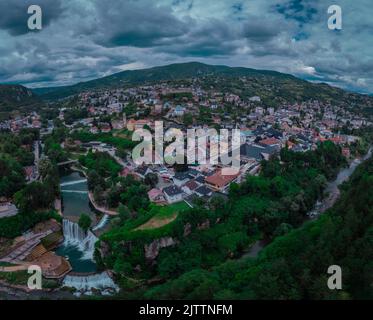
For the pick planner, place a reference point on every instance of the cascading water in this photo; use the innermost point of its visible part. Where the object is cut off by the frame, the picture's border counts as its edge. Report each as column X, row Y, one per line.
column 97, row 281
column 102, row 222
column 100, row 281
column 75, row 236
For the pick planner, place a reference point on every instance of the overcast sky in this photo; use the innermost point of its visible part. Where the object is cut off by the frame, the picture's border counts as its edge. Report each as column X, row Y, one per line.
column 87, row 39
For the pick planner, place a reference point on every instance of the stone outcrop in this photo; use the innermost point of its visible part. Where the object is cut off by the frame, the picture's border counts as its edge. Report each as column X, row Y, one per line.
column 152, row 249
column 187, row 229
column 104, row 249
column 204, row 225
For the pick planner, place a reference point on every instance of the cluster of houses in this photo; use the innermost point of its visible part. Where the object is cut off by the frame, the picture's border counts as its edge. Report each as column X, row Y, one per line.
column 264, row 131
column 196, row 182
column 20, row 122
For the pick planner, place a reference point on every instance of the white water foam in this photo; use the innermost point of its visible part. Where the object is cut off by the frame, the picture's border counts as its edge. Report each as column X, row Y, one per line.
column 102, row 223
column 75, row 236
column 99, row 281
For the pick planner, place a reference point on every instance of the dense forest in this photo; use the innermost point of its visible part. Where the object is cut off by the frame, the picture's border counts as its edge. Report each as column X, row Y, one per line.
column 35, row 199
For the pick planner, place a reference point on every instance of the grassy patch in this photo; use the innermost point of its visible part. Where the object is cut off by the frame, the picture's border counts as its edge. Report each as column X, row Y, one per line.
column 6, row 264
column 162, row 216
column 52, row 240
column 17, row 278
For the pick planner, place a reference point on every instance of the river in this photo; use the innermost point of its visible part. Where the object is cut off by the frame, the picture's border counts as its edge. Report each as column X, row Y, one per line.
column 332, row 193
column 74, row 190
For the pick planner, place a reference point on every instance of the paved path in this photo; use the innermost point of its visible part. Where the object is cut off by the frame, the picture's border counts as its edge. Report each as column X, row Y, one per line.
column 102, row 209
column 20, row 253
column 19, row 267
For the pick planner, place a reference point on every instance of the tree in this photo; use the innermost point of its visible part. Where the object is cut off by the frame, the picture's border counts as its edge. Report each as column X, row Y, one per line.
column 187, row 119
column 34, row 196
column 151, row 179
column 11, row 176
column 94, row 180
column 84, row 222
column 124, row 213
column 98, row 195
column 113, row 196
column 49, row 174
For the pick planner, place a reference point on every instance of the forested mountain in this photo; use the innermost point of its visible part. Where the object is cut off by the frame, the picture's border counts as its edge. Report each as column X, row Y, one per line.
column 13, row 97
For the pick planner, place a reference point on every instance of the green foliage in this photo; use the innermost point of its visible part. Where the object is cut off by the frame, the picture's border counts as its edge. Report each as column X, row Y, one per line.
column 19, row 146
column 84, row 222
column 49, row 175
column 274, row 88
column 101, row 162
column 34, row 196
column 187, row 119
column 268, row 205
column 295, row 266
column 12, row 227
column 74, row 114
column 18, row 97
column 95, row 180
column 151, row 179
column 11, row 175
column 53, row 147
column 119, row 142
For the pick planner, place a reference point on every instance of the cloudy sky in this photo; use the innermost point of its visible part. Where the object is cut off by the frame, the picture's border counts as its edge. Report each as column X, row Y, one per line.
column 87, row 39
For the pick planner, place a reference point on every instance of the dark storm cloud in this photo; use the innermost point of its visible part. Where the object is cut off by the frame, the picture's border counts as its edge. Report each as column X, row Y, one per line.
column 14, row 14
column 135, row 23
column 256, row 29
column 212, row 38
column 302, row 11
column 94, row 38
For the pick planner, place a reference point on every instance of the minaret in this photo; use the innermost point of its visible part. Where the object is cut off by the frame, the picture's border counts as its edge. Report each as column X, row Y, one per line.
column 124, row 119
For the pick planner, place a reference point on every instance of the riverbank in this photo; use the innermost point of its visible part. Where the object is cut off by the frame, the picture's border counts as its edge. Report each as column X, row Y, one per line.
column 18, row 292
column 91, row 198
column 332, row 195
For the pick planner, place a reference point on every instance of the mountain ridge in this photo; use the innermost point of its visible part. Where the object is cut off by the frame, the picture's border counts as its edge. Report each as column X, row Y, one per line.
column 274, row 88
column 176, row 71
column 13, row 96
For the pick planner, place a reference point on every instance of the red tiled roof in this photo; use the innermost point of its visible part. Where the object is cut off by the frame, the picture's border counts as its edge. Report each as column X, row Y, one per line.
column 153, row 193
column 336, row 139
column 220, row 180
column 192, row 185
column 270, row 141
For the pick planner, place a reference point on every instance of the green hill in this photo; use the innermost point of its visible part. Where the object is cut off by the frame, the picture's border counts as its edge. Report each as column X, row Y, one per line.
column 17, row 97
column 178, row 71
column 273, row 87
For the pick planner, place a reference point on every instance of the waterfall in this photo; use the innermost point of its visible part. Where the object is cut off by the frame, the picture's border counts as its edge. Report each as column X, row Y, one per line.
column 75, row 236
column 100, row 281
column 102, row 223
column 74, row 191
column 71, row 183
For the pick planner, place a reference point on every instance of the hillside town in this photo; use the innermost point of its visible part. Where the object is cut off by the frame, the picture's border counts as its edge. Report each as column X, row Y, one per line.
column 264, row 131
column 89, row 138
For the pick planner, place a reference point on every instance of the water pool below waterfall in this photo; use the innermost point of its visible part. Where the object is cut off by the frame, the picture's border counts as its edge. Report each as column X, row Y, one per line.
column 75, row 257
